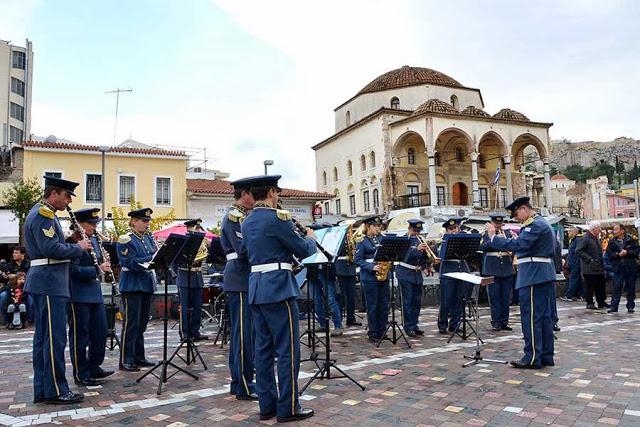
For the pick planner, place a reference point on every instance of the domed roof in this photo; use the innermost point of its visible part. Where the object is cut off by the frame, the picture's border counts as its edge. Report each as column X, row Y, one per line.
column 508, row 114
column 409, row 76
column 475, row 112
column 435, row 106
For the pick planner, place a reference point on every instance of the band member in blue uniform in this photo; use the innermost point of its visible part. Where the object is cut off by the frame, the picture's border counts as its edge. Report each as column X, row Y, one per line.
column 87, row 314
column 376, row 292
column 346, row 273
column 236, row 287
column 137, row 285
column 272, row 241
column 48, row 284
column 452, row 291
column 409, row 274
column 190, row 284
column 499, row 265
column 534, row 249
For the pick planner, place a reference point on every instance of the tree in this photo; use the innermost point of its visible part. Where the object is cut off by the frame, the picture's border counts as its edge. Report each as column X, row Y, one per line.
column 121, row 220
column 20, row 198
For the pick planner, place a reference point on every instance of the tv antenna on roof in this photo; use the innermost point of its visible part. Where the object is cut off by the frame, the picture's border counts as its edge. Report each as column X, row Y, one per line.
column 117, row 92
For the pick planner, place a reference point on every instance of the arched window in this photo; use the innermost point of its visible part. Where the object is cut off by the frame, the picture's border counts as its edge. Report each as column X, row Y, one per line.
column 436, row 159
column 376, row 198
column 324, row 178
column 482, row 161
column 459, row 154
column 411, row 156
column 335, row 174
column 349, row 168
column 363, row 163
column 372, row 159
column 395, row 103
column 454, row 102
column 348, row 118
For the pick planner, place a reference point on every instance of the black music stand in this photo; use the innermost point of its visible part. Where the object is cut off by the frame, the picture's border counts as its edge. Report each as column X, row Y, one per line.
column 461, row 247
column 312, row 336
column 112, row 338
column 162, row 260
column 224, row 325
column 185, row 259
column 392, row 249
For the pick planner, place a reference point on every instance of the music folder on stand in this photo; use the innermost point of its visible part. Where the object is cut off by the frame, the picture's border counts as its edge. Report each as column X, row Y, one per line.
column 162, row 261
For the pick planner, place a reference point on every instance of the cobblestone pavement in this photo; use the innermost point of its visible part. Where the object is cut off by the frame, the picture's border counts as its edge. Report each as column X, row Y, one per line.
column 596, row 381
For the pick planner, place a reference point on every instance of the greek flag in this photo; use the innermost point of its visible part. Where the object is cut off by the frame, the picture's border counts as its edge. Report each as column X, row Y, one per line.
column 497, row 178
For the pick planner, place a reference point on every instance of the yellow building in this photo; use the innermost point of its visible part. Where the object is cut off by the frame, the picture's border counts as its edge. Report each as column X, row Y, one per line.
column 157, row 178
column 626, row 190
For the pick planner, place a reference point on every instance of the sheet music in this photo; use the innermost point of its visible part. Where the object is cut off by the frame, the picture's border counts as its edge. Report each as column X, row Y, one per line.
column 146, row 265
column 470, row 278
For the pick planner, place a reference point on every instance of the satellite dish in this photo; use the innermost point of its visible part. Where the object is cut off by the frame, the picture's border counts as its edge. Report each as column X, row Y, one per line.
column 51, row 138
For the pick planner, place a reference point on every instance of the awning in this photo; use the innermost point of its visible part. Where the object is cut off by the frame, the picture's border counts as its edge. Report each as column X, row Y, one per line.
column 9, row 228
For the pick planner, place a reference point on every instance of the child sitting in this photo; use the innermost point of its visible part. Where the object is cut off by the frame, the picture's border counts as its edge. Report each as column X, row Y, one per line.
column 18, row 305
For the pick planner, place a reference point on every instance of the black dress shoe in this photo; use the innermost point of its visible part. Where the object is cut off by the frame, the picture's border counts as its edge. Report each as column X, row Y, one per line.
column 556, row 328
column 102, row 374
column 496, row 328
column 252, row 396
column 201, row 338
column 144, row 363
column 522, row 365
column 605, row 305
column 506, row 328
column 38, row 399
column 267, row 416
column 453, row 328
column 66, row 399
column 354, row 323
column 551, row 363
column 442, row 331
column 591, row 307
column 631, row 310
column 410, row 334
column 88, row 382
column 418, row 332
column 129, row 367
column 300, row 415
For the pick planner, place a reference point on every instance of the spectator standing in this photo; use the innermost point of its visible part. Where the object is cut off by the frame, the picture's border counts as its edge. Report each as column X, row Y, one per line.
column 576, row 284
column 623, row 251
column 589, row 250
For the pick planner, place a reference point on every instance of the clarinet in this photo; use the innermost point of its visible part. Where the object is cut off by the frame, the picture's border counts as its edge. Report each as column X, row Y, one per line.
column 108, row 275
column 83, row 235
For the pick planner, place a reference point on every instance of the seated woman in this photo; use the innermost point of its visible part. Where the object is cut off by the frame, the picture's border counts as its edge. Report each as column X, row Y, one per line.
column 17, row 309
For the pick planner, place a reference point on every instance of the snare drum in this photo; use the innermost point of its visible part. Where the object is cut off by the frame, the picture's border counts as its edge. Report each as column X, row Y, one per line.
column 210, row 292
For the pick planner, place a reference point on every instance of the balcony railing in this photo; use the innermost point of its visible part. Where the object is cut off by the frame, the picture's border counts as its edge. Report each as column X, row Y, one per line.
column 424, row 199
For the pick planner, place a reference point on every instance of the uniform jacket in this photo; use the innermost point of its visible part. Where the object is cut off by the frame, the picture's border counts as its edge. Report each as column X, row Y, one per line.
column 413, row 257
column 589, row 250
column 573, row 262
column 536, row 239
column 366, row 250
column 557, row 257
column 451, row 265
column 85, row 285
column 236, row 271
column 44, row 239
column 492, row 265
column 344, row 267
column 629, row 262
column 134, row 249
column 270, row 237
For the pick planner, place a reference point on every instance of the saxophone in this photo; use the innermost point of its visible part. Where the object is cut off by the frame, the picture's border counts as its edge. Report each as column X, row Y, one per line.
column 383, row 272
column 351, row 239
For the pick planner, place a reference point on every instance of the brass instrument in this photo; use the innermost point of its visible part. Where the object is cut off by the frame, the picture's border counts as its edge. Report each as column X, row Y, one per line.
column 83, row 236
column 434, row 258
column 203, row 252
column 383, row 271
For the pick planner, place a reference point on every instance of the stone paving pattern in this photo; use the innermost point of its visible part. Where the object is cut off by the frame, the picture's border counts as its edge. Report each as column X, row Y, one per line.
column 596, row 381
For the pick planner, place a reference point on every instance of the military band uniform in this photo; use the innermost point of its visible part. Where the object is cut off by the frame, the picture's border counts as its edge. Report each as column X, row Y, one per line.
column 499, row 265
column 137, row 285
column 452, row 292
column 236, row 287
column 86, row 313
column 346, row 273
column 376, row 292
column 190, row 283
column 409, row 274
column 534, row 249
column 271, row 242
column 48, row 284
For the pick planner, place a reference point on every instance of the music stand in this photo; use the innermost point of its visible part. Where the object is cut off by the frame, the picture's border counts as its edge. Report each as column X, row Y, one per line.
column 312, row 337
column 392, row 249
column 162, row 260
column 112, row 338
column 223, row 323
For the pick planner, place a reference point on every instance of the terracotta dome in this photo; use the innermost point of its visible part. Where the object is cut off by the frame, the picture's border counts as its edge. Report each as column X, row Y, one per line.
column 409, row 76
column 508, row 114
column 435, row 106
column 475, row 112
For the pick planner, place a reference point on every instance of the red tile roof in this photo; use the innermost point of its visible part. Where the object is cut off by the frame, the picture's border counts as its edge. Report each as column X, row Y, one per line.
column 559, row 177
column 409, row 76
column 82, row 147
column 219, row 186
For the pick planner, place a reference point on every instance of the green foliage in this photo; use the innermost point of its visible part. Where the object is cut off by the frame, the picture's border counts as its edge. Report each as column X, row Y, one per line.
column 215, row 230
column 121, row 219
column 581, row 174
column 21, row 197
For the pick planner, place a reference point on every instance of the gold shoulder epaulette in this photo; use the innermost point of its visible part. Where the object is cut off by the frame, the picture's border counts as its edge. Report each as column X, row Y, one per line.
column 46, row 212
column 124, row 239
column 359, row 239
column 235, row 215
column 283, row 215
column 528, row 221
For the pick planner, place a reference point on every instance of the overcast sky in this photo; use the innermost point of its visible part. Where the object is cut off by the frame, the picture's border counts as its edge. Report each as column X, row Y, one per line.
column 256, row 80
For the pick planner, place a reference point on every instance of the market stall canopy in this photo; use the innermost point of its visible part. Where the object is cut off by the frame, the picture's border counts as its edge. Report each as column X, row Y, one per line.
column 9, row 227
column 178, row 229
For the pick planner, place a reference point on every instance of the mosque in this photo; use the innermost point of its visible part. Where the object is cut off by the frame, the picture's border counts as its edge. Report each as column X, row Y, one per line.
column 417, row 138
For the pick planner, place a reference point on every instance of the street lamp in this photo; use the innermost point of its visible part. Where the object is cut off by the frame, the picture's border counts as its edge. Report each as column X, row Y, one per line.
column 103, row 149
column 267, row 163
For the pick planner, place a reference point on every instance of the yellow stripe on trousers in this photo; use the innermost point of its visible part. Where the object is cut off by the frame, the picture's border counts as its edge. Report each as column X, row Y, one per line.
column 124, row 331
column 293, row 370
column 244, row 381
column 53, row 365
column 533, row 337
column 75, row 344
column 401, row 304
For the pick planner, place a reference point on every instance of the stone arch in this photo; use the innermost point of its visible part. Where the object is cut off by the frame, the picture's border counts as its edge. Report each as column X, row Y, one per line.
column 520, row 143
column 372, row 159
column 495, row 138
column 324, row 177
column 493, row 148
column 364, row 183
column 440, row 179
column 450, row 138
column 349, row 168
column 411, row 177
column 350, row 188
column 408, row 140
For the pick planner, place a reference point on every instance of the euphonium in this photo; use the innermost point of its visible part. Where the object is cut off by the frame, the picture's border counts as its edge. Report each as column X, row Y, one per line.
column 203, row 252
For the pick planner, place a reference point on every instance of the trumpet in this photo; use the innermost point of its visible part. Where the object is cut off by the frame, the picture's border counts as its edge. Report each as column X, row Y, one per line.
column 428, row 250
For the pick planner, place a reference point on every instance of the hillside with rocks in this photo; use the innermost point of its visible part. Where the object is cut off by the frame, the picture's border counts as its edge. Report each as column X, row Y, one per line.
column 565, row 153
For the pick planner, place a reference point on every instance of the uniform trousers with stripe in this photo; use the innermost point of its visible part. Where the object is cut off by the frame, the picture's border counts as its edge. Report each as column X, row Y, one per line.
column 49, row 341
column 499, row 293
column 190, row 311
column 277, row 333
column 136, row 307
column 537, row 328
column 452, row 294
column 241, row 344
column 411, row 299
column 377, row 300
column 87, row 338
column 348, row 297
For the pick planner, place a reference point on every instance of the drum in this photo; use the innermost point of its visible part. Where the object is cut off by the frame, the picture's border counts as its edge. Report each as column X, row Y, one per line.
column 210, row 292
